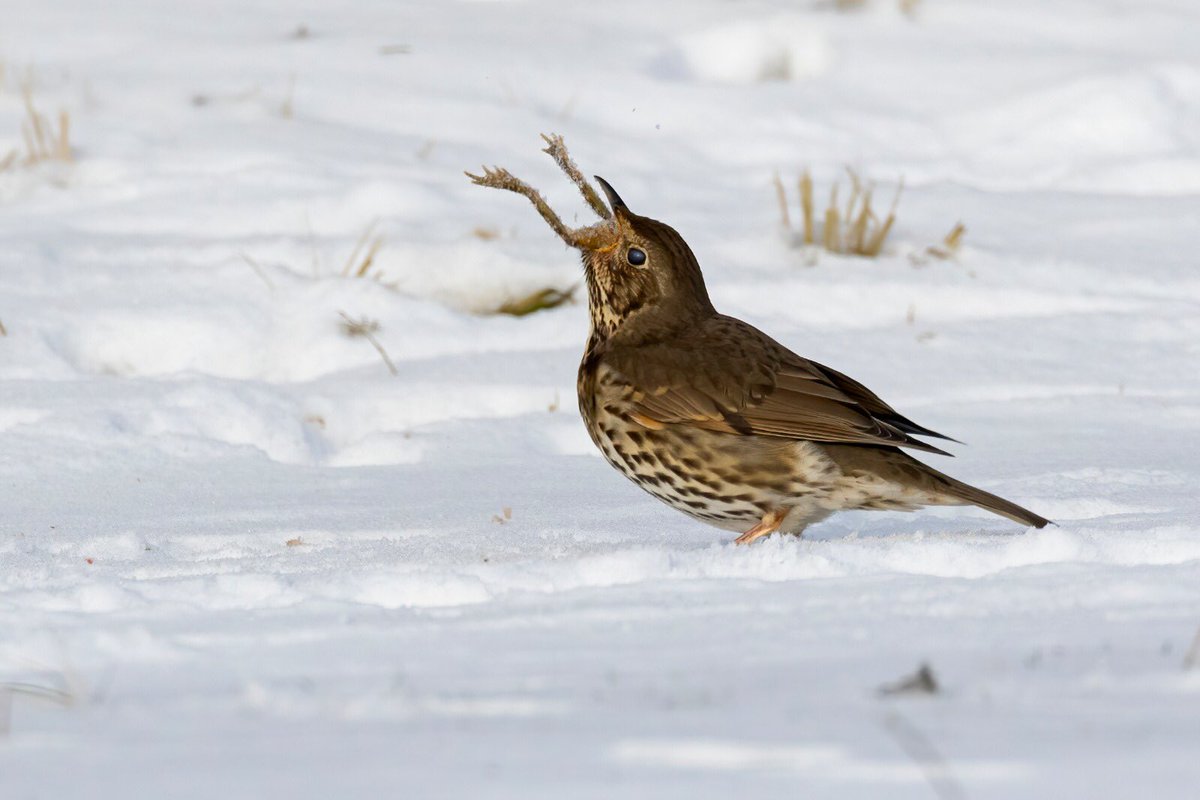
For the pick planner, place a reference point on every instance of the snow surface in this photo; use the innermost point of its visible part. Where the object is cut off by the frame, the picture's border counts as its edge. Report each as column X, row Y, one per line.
column 178, row 403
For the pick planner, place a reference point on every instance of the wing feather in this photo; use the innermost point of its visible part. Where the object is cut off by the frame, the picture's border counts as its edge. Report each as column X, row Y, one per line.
column 725, row 375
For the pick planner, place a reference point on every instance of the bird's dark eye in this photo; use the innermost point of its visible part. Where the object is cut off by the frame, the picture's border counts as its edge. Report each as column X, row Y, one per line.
column 636, row 257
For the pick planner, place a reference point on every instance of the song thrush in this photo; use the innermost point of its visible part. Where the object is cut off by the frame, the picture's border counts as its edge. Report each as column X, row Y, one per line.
column 714, row 417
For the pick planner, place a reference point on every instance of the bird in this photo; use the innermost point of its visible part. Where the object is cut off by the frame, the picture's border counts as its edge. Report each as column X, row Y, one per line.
column 709, row 414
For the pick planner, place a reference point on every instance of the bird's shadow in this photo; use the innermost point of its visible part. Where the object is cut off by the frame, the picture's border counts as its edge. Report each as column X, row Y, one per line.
column 888, row 525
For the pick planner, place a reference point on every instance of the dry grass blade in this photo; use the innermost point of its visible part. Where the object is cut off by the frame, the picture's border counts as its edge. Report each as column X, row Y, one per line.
column 369, row 258
column 830, row 238
column 540, row 300
column 258, row 270
column 63, row 150
column 806, row 205
column 287, row 109
column 781, row 196
column 367, row 328
column 948, row 249
column 357, row 266
column 954, row 238
column 11, row 689
column 3, row 330
column 874, row 244
column 60, row 696
column 856, row 190
column 857, row 235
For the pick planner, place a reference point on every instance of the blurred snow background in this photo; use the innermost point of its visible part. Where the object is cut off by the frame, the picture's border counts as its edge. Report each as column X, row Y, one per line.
column 239, row 558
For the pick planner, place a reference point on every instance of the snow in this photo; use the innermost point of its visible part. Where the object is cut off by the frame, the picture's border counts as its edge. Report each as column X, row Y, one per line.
column 239, row 558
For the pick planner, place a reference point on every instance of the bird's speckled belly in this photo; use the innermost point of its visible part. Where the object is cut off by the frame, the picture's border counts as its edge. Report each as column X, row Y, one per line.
column 726, row 480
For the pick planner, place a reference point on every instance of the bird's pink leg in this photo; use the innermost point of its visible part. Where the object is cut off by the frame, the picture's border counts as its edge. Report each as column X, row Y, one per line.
column 769, row 524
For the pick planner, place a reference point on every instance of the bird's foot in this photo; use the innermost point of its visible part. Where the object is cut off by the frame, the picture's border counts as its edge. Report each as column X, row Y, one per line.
column 769, row 524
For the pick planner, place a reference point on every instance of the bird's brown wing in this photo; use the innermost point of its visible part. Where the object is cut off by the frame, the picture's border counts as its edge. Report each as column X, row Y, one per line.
column 874, row 405
column 725, row 375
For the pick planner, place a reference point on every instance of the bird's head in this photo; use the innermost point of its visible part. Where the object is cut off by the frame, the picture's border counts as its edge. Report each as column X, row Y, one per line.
column 641, row 275
column 638, row 268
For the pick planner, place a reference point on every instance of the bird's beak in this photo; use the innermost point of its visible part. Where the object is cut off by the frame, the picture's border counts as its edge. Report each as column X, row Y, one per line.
column 604, row 236
column 614, row 199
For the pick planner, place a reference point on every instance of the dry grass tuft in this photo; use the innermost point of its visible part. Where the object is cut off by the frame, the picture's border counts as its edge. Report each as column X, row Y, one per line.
column 850, row 229
column 854, row 227
column 366, row 328
column 43, row 140
column 3, row 330
column 358, row 264
column 540, row 300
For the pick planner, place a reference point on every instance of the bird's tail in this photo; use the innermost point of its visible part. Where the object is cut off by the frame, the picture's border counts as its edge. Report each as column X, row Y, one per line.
column 897, row 467
column 993, row 503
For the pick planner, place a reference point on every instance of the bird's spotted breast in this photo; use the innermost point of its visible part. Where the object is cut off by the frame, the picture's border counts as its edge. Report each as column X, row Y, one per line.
column 727, row 480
